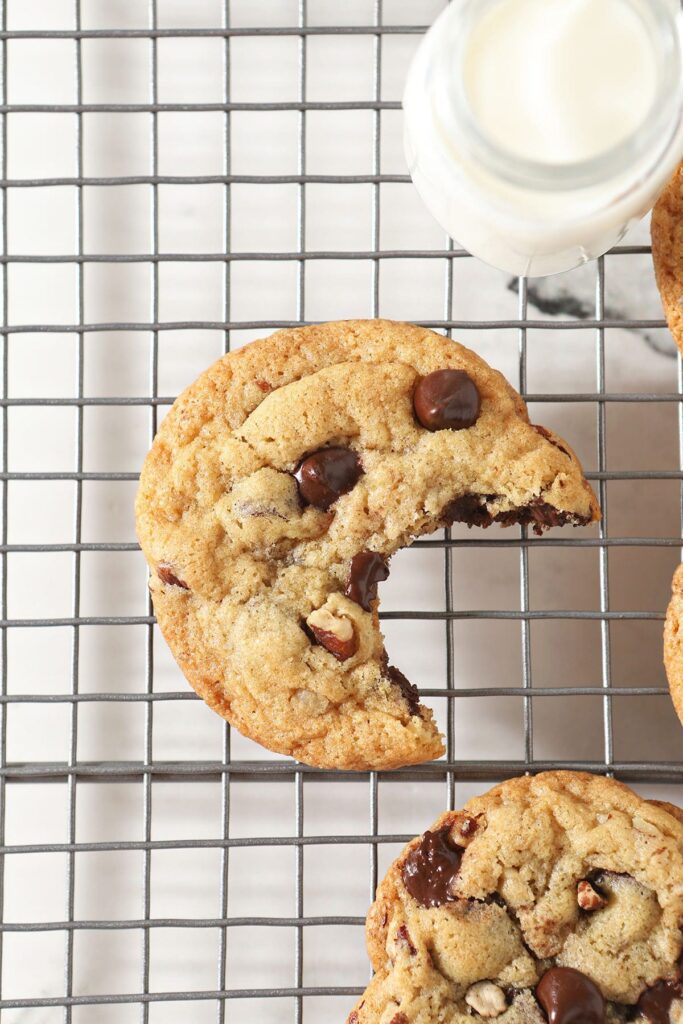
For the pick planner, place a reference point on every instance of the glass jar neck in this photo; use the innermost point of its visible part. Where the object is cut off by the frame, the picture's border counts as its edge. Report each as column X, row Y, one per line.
column 459, row 125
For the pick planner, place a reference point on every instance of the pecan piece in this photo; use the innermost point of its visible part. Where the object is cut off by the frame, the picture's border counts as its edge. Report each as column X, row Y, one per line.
column 167, row 575
column 589, row 898
column 333, row 632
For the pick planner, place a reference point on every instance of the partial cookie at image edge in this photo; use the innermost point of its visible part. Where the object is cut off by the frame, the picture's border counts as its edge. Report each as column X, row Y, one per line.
column 563, row 869
column 667, row 252
column 673, row 642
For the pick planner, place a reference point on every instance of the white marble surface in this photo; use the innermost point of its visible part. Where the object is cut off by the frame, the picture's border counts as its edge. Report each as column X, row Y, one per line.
column 186, row 883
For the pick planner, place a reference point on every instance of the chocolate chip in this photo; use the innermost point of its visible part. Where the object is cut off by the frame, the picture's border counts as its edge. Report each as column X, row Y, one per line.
column 325, row 475
column 431, row 868
column 167, row 575
column 569, row 997
column 655, row 1003
column 447, row 400
column 367, row 570
column 409, row 690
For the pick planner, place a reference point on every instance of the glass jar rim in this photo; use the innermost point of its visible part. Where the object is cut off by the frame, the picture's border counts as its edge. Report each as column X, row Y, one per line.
column 454, row 110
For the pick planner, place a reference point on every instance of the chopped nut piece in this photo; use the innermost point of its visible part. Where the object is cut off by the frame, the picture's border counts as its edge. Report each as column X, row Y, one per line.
column 464, row 830
column 392, row 1014
column 589, row 898
column 403, row 939
column 644, row 826
column 167, row 575
column 486, row 999
column 333, row 632
column 266, row 494
column 311, row 703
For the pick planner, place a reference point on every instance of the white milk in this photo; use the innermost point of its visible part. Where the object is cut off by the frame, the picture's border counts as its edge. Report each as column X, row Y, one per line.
column 537, row 130
column 559, row 80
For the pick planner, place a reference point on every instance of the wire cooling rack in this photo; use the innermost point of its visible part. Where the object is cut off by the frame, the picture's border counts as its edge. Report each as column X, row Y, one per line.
column 196, row 173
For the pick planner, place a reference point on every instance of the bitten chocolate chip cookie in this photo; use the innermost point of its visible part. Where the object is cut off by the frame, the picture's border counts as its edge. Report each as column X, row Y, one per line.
column 276, row 490
column 667, row 252
column 551, row 899
column 673, row 642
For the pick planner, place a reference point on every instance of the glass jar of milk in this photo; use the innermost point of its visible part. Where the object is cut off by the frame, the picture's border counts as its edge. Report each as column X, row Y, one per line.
column 536, row 131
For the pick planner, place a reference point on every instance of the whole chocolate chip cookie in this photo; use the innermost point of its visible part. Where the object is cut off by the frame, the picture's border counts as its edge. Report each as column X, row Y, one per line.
column 557, row 898
column 667, row 252
column 673, row 642
column 277, row 489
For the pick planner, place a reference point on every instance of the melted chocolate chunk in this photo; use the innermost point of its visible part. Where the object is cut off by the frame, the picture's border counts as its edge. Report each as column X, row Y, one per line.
column 447, row 400
column 431, row 868
column 167, row 575
column 325, row 475
column 541, row 516
column 655, row 1003
column 367, row 570
column 408, row 690
column 569, row 997
column 495, row 897
column 471, row 509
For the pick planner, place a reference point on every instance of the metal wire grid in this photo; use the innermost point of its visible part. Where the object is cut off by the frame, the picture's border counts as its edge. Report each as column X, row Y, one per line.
column 228, row 770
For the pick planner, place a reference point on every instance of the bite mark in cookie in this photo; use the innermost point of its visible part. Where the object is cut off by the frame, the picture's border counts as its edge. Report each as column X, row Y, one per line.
column 474, row 510
column 285, row 502
column 408, row 690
